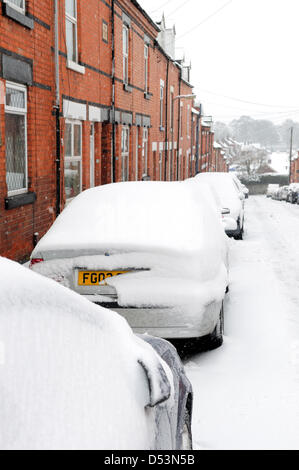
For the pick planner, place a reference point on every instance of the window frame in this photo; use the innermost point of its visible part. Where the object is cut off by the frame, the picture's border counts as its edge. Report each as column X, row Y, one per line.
column 21, row 10
column 126, row 155
column 125, row 54
column 19, row 112
column 146, row 67
column 74, row 21
column 74, row 158
column 161, row 104
column 145, row 138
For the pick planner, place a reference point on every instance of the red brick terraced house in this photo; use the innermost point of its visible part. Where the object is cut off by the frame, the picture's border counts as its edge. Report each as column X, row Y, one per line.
column 90, row 94
column 295, row 169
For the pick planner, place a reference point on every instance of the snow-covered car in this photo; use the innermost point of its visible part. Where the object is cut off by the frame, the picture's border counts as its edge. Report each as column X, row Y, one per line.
column 282, row 193
column 272, row 188
column 224, row 212
column 74, row 376
column 231, row 198
column 293, row 192
column 154, row 252
column 245, row 191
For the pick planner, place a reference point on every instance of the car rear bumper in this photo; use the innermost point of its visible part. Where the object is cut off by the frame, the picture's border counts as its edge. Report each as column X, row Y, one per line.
column 169, row 323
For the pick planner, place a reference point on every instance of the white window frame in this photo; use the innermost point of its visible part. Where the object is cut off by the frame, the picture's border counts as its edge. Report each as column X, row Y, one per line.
column 125, row 54
column 73, row 20
column 146, row 63
column 125, row 154
column 145, row 150
column 171, row 110
column 19, row 112
column 76, row 158
column 181, row 120
column 16, row 7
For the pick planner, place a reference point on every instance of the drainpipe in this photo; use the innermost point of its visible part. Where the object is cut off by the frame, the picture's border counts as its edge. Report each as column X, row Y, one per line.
column 166, row 121
column 179, row 121
column 197, row 141
column 113, row 92
column 57, row 110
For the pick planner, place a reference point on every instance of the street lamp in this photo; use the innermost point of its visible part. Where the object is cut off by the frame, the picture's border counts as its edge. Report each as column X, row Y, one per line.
column 179, row 97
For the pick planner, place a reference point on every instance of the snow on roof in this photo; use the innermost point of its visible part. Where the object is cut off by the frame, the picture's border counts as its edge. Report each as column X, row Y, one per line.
column 217, row 146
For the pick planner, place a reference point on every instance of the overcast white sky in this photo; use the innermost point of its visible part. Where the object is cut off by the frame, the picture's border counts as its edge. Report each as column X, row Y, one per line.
column 247, row 51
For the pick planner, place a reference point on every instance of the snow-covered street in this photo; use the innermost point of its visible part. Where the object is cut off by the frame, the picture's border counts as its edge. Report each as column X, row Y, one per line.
column 247, row 392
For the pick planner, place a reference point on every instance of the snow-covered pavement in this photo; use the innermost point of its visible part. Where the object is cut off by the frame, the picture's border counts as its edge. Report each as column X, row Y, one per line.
column 247, row 392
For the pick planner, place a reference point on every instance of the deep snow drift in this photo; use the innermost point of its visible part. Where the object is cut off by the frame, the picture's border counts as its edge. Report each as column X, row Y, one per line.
column 247, row 392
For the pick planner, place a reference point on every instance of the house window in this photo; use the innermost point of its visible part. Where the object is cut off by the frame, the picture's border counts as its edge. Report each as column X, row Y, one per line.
column 146, row 58
column 161, row 104
column 145, row 150
column 125, row 54
column 18, row 5
column 105, row 31
column 73, row 159
column 171, row 109
column 71, row 29
column 125, row 149
column 16, row 138
column 181, row 120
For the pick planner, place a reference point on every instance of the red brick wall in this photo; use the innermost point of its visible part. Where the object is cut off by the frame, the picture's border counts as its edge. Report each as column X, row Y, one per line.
column 17, row 226
column 94, row 87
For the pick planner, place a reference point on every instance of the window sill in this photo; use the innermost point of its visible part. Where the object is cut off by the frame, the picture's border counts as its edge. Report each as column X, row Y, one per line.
column 17, row 16
column 13, row 202
column 75, row 67
column 128, row 88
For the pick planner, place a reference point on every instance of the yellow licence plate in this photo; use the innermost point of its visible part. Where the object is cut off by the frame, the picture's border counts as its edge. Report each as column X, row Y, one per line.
column 94, row 278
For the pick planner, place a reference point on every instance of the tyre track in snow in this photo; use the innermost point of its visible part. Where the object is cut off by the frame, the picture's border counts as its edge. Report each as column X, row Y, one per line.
column 247, row 392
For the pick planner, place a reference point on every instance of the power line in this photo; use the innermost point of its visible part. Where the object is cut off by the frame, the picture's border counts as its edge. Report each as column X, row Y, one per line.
column 248, row 102
column 206, row 19
column 160, row 7
column 178, row 8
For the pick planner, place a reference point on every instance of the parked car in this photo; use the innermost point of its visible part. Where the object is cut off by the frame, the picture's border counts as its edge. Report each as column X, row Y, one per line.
column 231, row 198
column 245, row 191
column 154, row 252
column 282, row 193
column 74, row 376
column 272, row 188
column 293, row 192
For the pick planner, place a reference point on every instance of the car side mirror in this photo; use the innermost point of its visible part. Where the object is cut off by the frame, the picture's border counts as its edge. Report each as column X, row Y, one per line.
column 225, row 211
column 241, row 196
column 158, row 383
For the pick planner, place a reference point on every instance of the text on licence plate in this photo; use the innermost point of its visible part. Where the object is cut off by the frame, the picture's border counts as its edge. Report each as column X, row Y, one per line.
column 93, row 278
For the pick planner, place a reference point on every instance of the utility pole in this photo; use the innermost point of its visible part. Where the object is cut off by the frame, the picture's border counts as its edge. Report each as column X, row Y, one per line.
column 291, row 154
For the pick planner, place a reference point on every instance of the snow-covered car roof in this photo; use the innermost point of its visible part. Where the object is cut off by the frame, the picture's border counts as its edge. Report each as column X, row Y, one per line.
column 223, row 183
column 131, row 216
column 72, row 374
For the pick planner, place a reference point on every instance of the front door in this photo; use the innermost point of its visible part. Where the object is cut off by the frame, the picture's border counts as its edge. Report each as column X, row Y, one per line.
column 92, row 179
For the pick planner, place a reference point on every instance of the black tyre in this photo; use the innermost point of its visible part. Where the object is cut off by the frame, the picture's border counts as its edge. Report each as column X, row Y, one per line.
column 241, row 232
column 186, row 442
column 215, row 340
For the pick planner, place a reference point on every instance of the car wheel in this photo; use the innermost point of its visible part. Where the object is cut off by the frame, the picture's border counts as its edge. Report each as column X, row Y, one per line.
column 216, row 338
column 186, row 442
column 241, row 231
